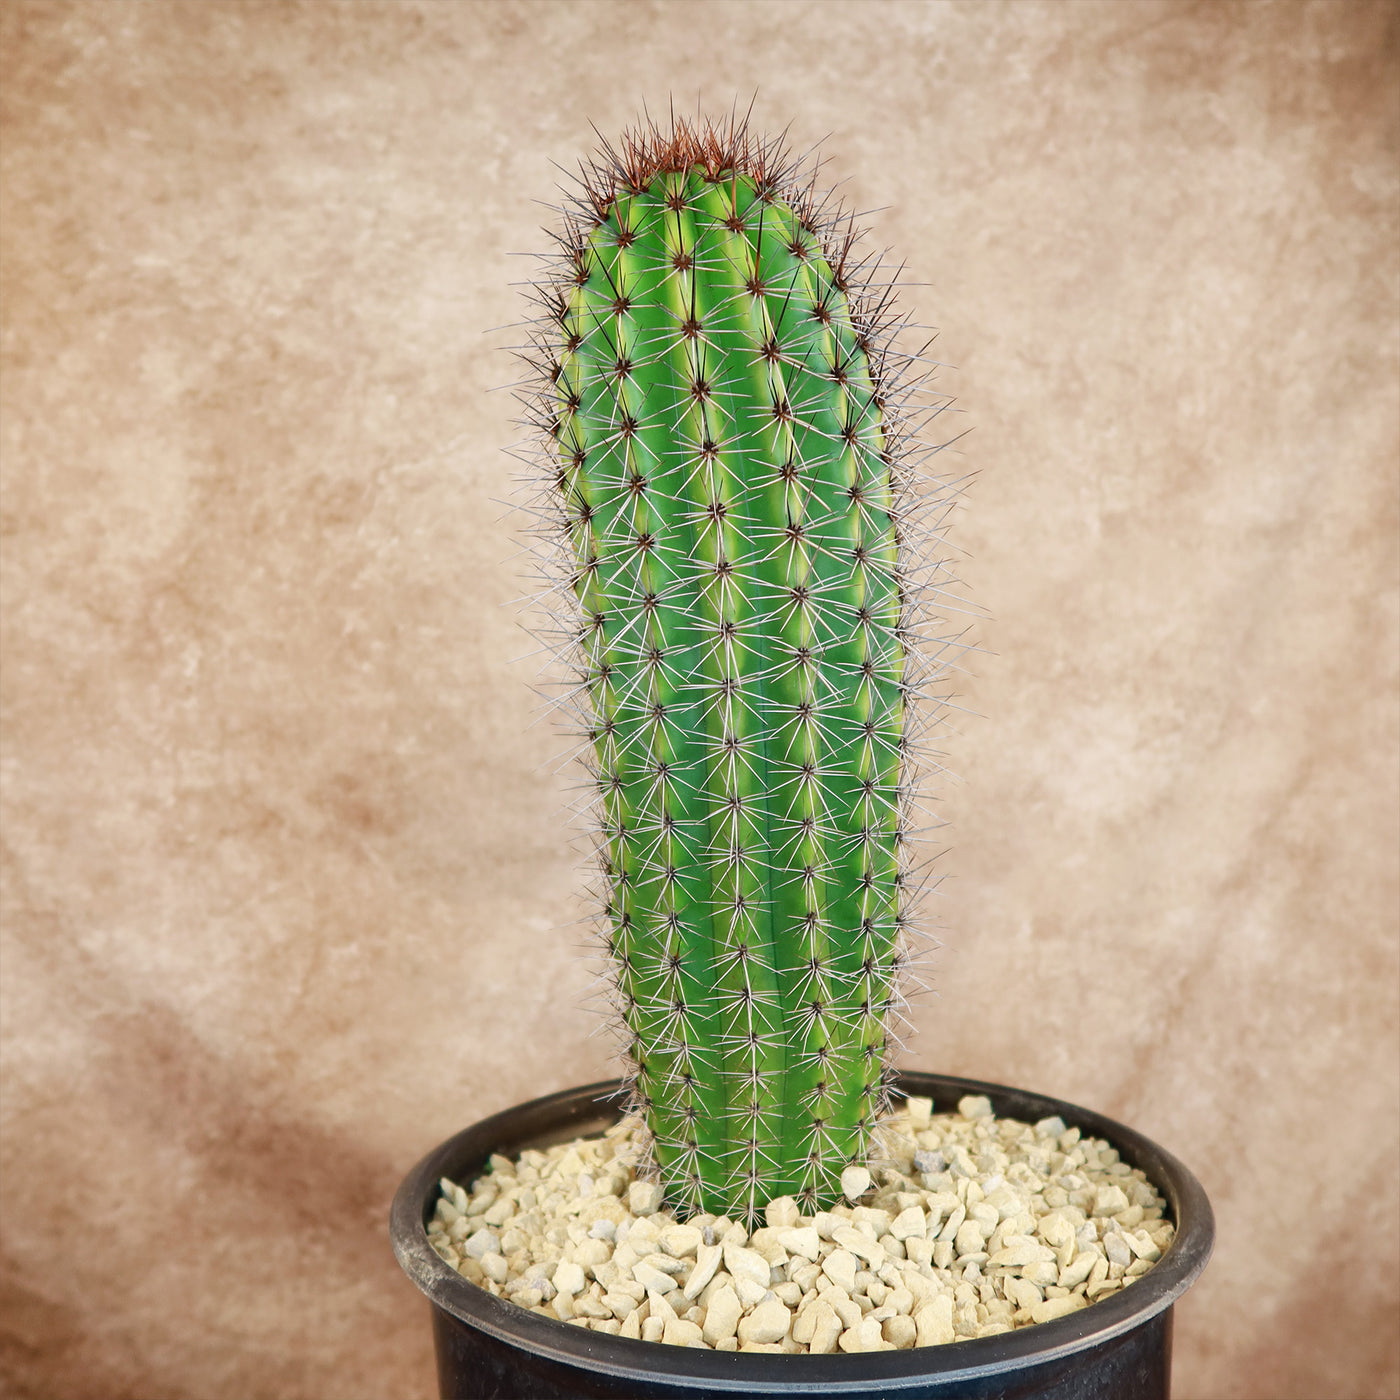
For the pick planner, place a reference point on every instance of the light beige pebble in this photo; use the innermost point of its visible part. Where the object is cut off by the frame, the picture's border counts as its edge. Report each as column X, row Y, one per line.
column 866, row 1337
column 877, row 1218
column 569, row 1278
column 860, row 1244
column 652, row 1279
column 680, row 1333
column 872, row 1334
column 1142, row 1244
column 733, row 1233
column 1052, row 1308
column 590, row 1252
column 768, row 1322
column 840, row 1267
column 619, row 1304
column 941, row 1204
column 900, row 1331
column 495, row 1266
column 727, row 1344
column 826, row 1329
column 747, row 1263
column 644, row 1197
column 802, row 1240
column 1075, row 1273
column 965, row 1320
column 1005, row 1202
column 782, row 1213
column 1021, row 1293
column 933, row 1322
column 804, row 1323
column 481, row 1243
column 975, row 1106
column 1117, row 1249
column 969, row 1239
column 855, row 1182
column 1019, row 1251
column 750, row 1293
column 845, row 1307
column 1109, row 1200
column 680, row 1240
column 773, row 1348
column 632, row 1323
column 721, row 1315
column 706, row 1264
column 653, row 1329
column 851, row 1340
column 661, row 1307
column 909, row 1224
column 668, row 1264
column 985, row 1215
column 767, row 1243
column 918, row 1251
column 591, row 1306
column 919, row 1109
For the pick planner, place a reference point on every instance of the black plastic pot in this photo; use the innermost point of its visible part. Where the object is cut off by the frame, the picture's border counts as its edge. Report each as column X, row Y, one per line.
column 1116, row 1349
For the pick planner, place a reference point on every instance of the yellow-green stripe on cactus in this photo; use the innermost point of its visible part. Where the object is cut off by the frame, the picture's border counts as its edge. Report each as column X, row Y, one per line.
column 722, row 445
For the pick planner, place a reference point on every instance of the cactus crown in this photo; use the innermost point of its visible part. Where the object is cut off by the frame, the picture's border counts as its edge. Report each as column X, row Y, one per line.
column 729, row 490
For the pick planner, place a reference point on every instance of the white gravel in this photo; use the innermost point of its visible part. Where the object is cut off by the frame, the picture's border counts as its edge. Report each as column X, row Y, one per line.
column 967, row 1226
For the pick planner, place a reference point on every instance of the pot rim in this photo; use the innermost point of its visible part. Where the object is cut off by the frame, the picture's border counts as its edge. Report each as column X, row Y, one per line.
column 575, row 1112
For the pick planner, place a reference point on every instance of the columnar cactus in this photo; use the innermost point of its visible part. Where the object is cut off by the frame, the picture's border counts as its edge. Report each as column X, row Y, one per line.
column 730, row 464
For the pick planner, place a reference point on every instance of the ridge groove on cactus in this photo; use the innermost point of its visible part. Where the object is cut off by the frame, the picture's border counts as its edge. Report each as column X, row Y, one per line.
column 741, row 548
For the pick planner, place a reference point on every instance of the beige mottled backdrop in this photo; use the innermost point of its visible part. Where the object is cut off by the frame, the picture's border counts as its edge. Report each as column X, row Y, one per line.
column 283, row 869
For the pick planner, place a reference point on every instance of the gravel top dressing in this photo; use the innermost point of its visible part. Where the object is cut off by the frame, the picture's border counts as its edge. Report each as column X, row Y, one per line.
column 967, row 1226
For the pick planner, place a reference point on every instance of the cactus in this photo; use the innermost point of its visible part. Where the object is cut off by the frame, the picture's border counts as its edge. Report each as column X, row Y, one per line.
column 730, row 451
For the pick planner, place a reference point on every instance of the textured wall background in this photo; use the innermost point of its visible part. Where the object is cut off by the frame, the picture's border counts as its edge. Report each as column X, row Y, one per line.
column 282, row 861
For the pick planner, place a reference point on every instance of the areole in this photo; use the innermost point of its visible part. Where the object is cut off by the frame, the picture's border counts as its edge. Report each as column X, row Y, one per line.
column 1117, row 1349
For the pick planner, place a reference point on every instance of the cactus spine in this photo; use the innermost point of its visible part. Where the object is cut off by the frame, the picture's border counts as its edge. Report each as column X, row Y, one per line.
column 726, row 445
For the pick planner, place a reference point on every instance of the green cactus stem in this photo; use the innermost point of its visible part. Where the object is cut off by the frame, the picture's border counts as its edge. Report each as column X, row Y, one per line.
column 726, row 458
